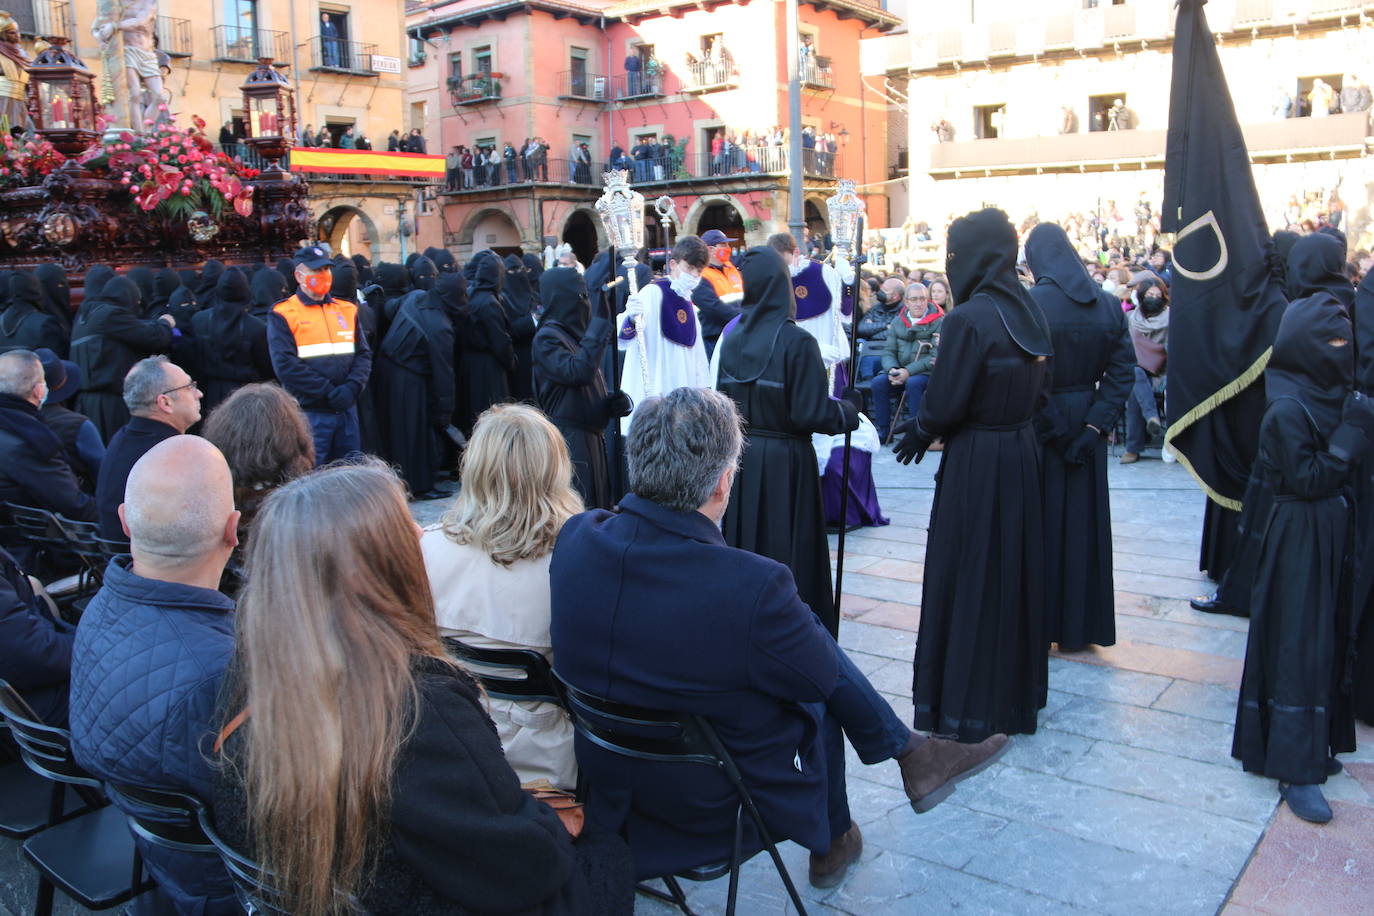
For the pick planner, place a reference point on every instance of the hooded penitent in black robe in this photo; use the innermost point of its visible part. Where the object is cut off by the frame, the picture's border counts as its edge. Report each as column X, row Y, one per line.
column 415, row 383
column 288, row 272
column 344, row 285
column 981, row 660
column 92, row 285
column 164, row 284
column 1092, row 373
column 568, row 383
column 24, row 323
column 518, row 299
column 107, row 340
column 57, row 296
column 143, row 278
column 604, row 268
column 534, row 269
column 230, row 342
column 395, row 283
column 773, row 371
column 205, row 285
column 488, row 357
column 268, row 289
column 1294, row 709
column 1364, row 568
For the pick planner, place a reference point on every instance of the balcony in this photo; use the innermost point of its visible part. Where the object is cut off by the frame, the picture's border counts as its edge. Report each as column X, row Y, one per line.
column 416, row 60
column 335, row 55
column 1253, row 12
column 583, row 86
column 514, row 174
column 43, row 18
column 174, row 36
column 816, row 72
column 711, row 75
column 475, row 89
column 240, row 44
column 646, row 84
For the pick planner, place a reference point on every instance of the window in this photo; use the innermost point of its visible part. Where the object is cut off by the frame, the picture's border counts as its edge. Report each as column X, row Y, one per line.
column 577, row 72
column 482, row 59
column 335, row 50
column 417, row 51
column 987, row 121
column 418, row 115
column 455, row 67
column 336, row 130
column 1099, row 109
column 242, row 14
column 1331, row 92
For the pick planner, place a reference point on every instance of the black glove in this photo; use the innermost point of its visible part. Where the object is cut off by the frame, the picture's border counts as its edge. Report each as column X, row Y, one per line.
column 1358, row 411
column 341, row 398
column 601, row 303
column 855, row 397
column 1080, row 450
column 618, row 404
column 914, row 442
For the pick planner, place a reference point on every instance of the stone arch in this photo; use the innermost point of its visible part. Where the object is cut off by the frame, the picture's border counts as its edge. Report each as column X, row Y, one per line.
column 348, row 230
column 815, row 216
column 583, row 231
column 707, row 212
column 490, row 227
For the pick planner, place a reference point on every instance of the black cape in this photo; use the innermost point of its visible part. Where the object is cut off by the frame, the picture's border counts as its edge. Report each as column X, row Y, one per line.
column 230, row 342
column 487, row 353
column 981, row 663
column 568, row 383
column 773, row 371
column 1294, row 708
column 107, row 340
column 1093, row 369
column 57, row 295
column 25, row 324
column 519, row 300
column 344, row 285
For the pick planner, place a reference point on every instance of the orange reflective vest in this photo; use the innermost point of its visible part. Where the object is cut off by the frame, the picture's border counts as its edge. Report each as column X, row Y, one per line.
column 726, row 281
column 328, row 329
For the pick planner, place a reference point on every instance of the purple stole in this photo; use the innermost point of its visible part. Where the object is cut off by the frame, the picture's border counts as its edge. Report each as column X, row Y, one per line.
column 676, row 318
column 813, row 296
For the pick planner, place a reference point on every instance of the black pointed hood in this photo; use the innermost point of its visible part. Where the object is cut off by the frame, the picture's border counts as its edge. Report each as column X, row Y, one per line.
column 393, row 278
column 143, row 276
column 450, row 294
column 93, row 284
column 768, row 305
column 488, row 273
column 1305, row 366
column 164, row 284
column 444, row 261
column 57, row 295
column 1364, row 333
column 288, row 272
column 232, row 292
column 25, row 294
column 209, row 276
column 1317, row 264
column 1051, row 258
column 344, row 284
column 122, row 293
column 268, row 287
column 980, row 259
column 564, row 294
column 422, row 273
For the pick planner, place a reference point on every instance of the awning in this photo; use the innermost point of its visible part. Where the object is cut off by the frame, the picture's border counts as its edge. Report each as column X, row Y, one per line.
column 365, row 162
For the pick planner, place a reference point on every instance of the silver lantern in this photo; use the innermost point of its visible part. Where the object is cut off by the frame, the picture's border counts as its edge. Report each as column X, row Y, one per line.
column 845, row 209
column 621, row 209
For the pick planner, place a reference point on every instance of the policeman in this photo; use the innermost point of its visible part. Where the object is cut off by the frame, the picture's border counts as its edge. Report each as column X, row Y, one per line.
column 319, row 356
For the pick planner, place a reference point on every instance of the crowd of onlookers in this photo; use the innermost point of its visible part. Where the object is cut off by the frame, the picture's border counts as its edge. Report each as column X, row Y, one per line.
column 468, row 167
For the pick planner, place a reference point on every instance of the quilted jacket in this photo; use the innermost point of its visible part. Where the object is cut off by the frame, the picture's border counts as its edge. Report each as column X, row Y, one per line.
column 146, row 670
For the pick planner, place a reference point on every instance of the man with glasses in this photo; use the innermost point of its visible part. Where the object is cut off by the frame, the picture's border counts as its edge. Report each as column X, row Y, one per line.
column 908, row 356
column 163, row 402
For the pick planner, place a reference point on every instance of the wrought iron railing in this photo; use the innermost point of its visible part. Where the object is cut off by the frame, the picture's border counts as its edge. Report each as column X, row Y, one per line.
column 507, row 174
column 44, row 18
column 343, row 56
column 579, row 84
column 472, row 90
column 242, row 44
column 174, row 36
column 647, row 83
column 711, row 74
column 815, row 71
column 251, row 158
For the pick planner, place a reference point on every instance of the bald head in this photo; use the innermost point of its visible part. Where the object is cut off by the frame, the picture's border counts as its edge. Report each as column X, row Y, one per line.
column 179, row 506
column 892, row 288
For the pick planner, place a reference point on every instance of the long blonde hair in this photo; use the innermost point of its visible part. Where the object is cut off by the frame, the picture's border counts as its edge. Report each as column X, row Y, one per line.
column 336, row 605
column 517, row 486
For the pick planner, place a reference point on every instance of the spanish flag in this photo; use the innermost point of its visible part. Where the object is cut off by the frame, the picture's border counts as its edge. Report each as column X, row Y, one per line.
column 366, row 162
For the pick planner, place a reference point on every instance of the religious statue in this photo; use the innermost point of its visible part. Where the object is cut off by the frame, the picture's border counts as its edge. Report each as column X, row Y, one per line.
column 14, row 75
column 131, row 25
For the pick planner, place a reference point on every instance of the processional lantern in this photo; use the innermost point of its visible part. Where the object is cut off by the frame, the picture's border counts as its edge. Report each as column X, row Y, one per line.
column 61, row 100
column 845, row 209
column 621, row 209
column 269, row 106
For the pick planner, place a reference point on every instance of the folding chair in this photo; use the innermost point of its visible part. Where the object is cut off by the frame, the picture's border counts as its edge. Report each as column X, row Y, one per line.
column 92, row 856
column 537, row 685
column 647, row 734
column 37, row 530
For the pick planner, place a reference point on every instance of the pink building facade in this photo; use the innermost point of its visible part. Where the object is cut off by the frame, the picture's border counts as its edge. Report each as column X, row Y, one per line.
column 690, row 96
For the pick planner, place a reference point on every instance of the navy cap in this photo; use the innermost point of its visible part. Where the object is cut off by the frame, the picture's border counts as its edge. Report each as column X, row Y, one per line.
column 63, row 377
column 715, row 237
column 313, row 256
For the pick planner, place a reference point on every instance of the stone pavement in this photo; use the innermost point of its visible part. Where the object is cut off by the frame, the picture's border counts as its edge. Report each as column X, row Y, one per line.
column 1127, row 799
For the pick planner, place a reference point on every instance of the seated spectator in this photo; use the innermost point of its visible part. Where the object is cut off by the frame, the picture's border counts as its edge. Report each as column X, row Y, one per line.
column 152, row 648
column 33, row 469
column 1149, row 324
column 908, row 357
column 163, row 402
column 939, row 292
column 887, row 303
column 264, row 436
column 651, row 607
column 81, row 442
column 35, row 647
column 357, row 757
column 488, row 565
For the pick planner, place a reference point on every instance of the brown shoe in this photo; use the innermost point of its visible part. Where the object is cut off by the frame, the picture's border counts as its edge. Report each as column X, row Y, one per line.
column 829, row 869
column 1129, row 457
column 930, row 772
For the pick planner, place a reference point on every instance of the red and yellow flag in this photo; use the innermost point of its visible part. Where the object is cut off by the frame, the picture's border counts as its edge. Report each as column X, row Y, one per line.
column 366, row 162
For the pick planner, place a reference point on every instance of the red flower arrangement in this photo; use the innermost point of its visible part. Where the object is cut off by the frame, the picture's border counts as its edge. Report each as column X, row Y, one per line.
column 27, row 162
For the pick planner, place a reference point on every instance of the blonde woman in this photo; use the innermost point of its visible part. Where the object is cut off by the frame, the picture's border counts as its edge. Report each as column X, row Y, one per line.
column 488, row 565
column 357, row 759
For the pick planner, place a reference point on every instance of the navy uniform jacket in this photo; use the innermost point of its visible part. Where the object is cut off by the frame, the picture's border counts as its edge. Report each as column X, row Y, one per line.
column 652, row 608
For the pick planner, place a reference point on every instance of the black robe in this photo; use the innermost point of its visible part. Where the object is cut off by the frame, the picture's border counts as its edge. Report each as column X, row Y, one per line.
column 1093, row 369
column 107, row 340
column 414, row 383
column 57, row 296
column 518, row 299
column 604, row 268
column 568, row 384
column 773, row 371
column 25, row 324
column 345, row 286
column 487, row 353
column 230, row 343
column 1364, row 496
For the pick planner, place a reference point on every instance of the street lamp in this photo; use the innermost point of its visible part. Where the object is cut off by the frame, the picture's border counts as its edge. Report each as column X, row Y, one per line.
column 61, row 99
column 270, row 112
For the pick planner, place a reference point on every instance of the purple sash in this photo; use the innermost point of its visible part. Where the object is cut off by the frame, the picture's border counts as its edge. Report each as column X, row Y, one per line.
column 813, row 296
column 677, row 318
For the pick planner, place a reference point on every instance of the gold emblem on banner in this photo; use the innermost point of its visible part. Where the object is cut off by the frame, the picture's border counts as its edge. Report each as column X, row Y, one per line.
column 801, row 292
column 681, row 316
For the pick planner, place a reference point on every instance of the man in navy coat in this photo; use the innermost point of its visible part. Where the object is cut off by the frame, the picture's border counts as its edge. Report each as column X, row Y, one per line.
column 652, row 608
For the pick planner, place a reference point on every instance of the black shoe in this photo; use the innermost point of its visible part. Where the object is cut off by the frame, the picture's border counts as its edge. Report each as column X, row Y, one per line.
column 1307, row 802
column 1211, row 604
column 1333, row 766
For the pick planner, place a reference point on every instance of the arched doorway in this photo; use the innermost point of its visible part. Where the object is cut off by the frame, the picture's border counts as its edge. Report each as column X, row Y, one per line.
column 722, row 216
column 493, row 229
column 580, row 232
column 815, row 219
column 348, row 231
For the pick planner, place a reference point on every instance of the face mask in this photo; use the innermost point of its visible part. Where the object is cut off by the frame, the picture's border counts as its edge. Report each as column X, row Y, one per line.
column 318, row 285
column 684, row 283
column 44, row 399
column 1152, row 305
column 722, row 253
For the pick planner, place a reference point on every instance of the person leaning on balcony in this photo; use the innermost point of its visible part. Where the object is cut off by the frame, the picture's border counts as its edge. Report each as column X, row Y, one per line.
column 633, row 67
column 393, row 142
column 1322, row 98
column 1355, row 95
column 453, row 163
column 510, row 157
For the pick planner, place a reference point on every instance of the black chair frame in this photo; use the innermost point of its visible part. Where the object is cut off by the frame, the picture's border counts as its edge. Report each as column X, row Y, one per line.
column 683, row 738
column 537, row 685
column 40, row 530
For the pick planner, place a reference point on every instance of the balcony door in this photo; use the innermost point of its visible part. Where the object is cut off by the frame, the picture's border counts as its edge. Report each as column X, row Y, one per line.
column 241, row 21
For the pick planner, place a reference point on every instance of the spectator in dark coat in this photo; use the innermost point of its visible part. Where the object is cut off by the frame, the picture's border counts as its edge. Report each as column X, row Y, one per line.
column 152, row 648
column 25, row 324
column 81, row 442
column 107, row 340
column 163, row 402
column 230, row 342
column 35, row 647
column 33, row 468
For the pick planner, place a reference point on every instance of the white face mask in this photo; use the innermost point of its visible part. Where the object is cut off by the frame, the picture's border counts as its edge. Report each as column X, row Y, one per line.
column 684, row 283
column 798, row 265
